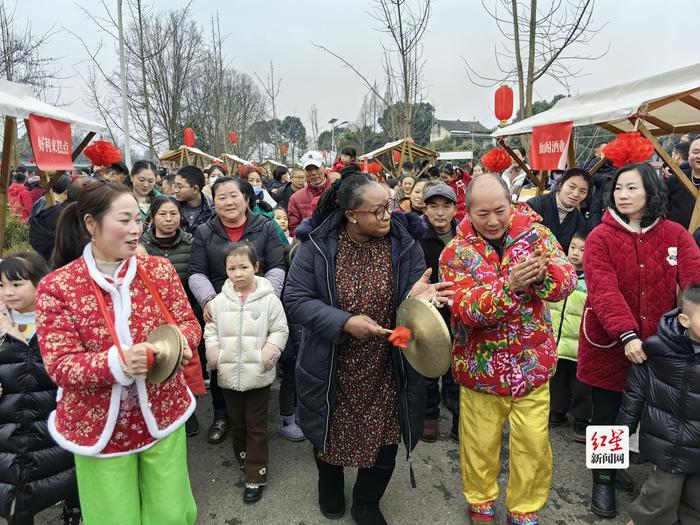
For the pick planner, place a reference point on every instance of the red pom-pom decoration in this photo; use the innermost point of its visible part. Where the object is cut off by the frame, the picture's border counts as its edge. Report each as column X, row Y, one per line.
column 103, row 153
column 400, row 336
column 628, row 148
column 496, row 160
column 374, row 167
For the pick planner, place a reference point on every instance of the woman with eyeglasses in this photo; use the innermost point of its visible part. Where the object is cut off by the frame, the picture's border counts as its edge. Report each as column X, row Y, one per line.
column 358, row 397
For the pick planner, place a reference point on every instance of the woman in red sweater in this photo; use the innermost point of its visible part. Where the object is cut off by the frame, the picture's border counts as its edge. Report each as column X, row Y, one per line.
column 633, row 262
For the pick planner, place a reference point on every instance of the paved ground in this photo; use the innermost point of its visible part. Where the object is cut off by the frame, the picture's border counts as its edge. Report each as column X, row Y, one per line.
column 291, row 495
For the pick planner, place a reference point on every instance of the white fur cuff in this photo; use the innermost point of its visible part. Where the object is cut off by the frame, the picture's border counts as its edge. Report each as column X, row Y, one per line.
column 116, row 368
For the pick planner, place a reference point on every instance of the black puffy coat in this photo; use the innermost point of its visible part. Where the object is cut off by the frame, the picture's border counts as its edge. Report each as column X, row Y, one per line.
column 663, row 397
column 34, row 471
column 696, row 236
column 178, row 253
column 211, row 243
column 680, row 201
column 42, row 229
column 602, row 184
column 546, row 206
column 310, row 298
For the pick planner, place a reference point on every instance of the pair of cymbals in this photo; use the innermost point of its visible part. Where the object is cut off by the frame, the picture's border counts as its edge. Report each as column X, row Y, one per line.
column 170, row 342
column 430, row 349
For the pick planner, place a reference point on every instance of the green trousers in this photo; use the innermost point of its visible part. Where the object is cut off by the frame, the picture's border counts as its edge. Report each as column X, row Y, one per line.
column 148, row 488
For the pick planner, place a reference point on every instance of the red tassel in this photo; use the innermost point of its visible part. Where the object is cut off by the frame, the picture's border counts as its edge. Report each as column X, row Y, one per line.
column 400, row 336
column 496, row 160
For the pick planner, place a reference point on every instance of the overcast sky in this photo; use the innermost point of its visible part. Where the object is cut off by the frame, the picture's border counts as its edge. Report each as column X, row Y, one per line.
column 645, row 37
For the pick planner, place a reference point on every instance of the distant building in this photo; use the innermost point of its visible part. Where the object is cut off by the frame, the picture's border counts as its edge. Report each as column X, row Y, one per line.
column 462, row 132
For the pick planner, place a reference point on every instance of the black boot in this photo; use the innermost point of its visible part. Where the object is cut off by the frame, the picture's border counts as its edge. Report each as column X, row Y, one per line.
column 603, row 497
column 71, row 516
column 370, row 486
column 219, row 428
column 331, row 489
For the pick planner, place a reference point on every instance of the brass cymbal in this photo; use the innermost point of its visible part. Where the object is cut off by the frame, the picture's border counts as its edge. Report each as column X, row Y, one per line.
column 430, row 349
column 169, row 341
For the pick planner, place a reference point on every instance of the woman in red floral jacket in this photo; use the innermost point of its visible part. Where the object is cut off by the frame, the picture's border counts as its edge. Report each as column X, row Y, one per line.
column 127, row 435
column 633, row 262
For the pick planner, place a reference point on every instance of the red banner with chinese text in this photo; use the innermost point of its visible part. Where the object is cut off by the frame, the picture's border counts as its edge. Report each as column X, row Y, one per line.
column 549, row 146
column 52, row 143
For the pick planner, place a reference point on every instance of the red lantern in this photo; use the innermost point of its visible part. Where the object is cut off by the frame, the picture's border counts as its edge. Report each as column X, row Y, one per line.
column 233, row 137
column 628, row 148
column 188, row 138
column 103, row 153
column 396, row 155
column 504, row 103
column 283, row 149
column 496, row 160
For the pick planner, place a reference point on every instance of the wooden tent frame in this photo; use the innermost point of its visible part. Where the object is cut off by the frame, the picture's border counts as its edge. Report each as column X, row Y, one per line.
column 8, row 147
column 233, row 161
column 187, row 156
column 650, row 135
column 408, row 149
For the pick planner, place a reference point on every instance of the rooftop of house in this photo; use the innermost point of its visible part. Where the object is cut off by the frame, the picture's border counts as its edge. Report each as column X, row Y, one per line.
column 463, row 126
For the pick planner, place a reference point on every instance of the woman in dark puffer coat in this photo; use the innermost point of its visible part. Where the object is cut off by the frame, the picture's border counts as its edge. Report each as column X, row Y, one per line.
column 35, row 473
column 355, row 426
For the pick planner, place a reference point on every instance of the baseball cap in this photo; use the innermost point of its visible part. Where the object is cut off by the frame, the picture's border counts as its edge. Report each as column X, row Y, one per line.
column 312, row 158
column 440, row 190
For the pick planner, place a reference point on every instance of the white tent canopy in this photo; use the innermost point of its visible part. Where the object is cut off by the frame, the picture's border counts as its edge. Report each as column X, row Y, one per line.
column 18, row 100
column 383, row 149
column 667, row 102
column 235, row 158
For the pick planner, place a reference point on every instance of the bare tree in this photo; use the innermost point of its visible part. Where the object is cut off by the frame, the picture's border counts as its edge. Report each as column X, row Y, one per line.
column 21, row 54
column 537, row 43
column 313, row 118
column 404, row 23
column 272, row 90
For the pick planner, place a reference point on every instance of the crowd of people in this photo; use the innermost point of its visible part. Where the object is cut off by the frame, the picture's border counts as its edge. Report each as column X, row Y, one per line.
column 578, row 307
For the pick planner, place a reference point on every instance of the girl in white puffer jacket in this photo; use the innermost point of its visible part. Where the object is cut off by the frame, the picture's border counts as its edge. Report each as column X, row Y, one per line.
column 244, row 340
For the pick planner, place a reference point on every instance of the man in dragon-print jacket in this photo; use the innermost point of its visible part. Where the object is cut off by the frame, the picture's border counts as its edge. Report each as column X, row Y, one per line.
column 504, row 265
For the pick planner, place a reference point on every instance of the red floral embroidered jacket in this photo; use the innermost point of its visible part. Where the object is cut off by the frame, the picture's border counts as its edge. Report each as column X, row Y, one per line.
column 75, row 345
column 503, row 342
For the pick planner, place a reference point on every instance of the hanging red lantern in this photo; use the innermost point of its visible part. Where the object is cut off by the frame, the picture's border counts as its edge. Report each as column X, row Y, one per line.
column 503, row 103
column 628, row 148
column 102, row 153
column 396, row 156
column 233, row 137
column 188, row 138
column 283, row 149
column 496, row 160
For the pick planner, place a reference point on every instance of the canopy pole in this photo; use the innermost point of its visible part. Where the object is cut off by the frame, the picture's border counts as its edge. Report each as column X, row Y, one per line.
column 530, row 175
column 571, row 153
column 596, row 167
column 8, row 147
column 80, row 147
column 695, row 218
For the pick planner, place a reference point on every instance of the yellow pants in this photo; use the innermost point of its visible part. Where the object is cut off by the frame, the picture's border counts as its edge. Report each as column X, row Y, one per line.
column 481, row 421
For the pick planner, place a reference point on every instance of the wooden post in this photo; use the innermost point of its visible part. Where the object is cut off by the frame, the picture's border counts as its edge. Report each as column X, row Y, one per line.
column 597, row 166
column 8, row 148
column 80, row 147
column 695, row 218
column 571, row 153
column 523, row 166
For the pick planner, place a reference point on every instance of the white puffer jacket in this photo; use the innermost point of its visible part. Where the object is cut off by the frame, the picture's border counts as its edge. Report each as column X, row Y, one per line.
column 240, row 330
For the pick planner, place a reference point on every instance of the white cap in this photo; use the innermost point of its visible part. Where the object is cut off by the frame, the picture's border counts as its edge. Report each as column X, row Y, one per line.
column 312, row 158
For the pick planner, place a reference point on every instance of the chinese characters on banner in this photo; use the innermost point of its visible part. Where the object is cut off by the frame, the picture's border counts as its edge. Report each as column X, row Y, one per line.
column 52, row 143
column 607, row 447
column 549, row 146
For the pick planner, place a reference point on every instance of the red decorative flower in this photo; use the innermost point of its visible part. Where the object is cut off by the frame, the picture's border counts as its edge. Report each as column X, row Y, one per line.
column 496, row 160
column 628, row 148
column 103, row 153
column 374, row 167
column 400, row 336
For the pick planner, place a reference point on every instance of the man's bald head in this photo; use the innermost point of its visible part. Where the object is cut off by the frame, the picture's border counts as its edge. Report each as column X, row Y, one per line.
column 488, row 186
column 488, row 206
